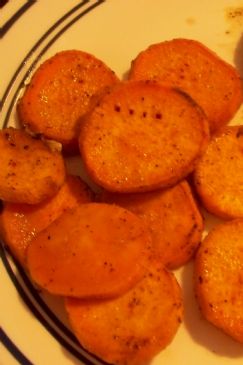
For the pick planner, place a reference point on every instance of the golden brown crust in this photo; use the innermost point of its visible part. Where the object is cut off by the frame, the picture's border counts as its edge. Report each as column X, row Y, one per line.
column 30, row 171
column 173, row 218
column 20, row 223
column 214, row 84
column 142, row 136
column 218, row 278
column 96, row 250
column 218, row 175
column 61, row 92
column 131, row 329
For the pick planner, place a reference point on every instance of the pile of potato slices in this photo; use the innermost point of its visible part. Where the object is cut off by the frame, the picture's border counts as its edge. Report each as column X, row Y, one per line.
column 158, row 148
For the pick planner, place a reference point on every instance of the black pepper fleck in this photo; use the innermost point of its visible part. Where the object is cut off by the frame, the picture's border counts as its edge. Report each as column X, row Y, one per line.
column 117, row 108
column 1, row 206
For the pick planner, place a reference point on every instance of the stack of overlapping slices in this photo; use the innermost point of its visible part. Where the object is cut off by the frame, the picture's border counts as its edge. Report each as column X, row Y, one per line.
column 110, row 253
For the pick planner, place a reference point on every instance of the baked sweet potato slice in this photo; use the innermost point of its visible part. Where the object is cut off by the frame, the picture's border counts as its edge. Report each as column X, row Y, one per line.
column 30, row 171
column 142, row 136
column 96, row 250
column 61, row 92
column 134, row 327
column 218, row 278
column 20, row 223
column 219, row 174
column 189, row 65
column 171, row 215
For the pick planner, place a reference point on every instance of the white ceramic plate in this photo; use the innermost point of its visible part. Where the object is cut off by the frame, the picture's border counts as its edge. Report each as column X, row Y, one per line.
column 33, row 326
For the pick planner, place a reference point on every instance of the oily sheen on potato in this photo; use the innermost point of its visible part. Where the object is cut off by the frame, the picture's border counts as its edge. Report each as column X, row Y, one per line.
column 142, row 136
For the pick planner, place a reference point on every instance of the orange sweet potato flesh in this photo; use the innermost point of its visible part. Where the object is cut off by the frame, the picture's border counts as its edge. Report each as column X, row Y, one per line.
column 171, row 215
column 95, row 250
column 142, row 136
column 61, row 92
column 20, row 223
column 218, row 175
column 30, row 171
column 189, row 65
column 133, row 328
column 218, row 278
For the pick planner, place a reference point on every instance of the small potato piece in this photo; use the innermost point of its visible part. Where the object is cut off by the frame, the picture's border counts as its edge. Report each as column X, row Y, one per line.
column 219, row 174
column 20, row 223
column 219, row 276
column 142, row 136
column 30, row 171
column 96, row 250
column 133, row 328
column 172, row 217
column 187, row 64
column 61, row 92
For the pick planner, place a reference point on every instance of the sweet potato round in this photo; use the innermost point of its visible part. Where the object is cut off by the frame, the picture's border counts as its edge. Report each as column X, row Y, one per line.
column 30, row 171
column 20, row 223
column 218, row 278
column 171, row 215
column 61, row 92
column 213, row 83
column 133, row 328
column 142, row 136
column 218, row 175
column 96, row 250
